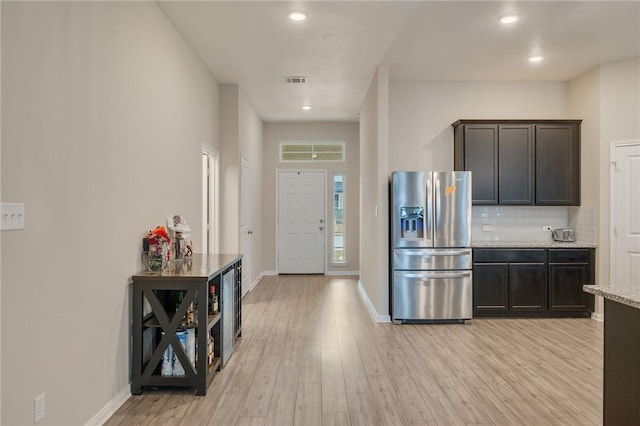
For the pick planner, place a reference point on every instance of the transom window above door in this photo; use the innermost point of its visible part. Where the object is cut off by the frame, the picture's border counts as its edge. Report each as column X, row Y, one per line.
column 310, row 151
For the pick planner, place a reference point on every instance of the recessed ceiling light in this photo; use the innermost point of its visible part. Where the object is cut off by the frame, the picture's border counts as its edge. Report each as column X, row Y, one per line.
column 536, row 58
column 508, row 19
column 297, row 15
column 306, row 107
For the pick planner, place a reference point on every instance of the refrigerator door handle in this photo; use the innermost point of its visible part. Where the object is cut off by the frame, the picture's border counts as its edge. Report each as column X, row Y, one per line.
column 436, row 211
column 432, row 275
column 429, row 209
column 460, row 252
column 438, row 252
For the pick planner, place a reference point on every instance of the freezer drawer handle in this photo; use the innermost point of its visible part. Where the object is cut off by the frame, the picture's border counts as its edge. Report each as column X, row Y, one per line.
column 438, row 253
column 437, row 275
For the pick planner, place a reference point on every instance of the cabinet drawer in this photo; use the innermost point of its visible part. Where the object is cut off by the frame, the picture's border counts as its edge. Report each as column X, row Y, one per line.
column 569, row 256
column 509, row 255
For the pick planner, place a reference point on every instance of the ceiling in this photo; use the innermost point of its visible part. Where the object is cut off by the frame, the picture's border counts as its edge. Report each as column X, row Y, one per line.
column 340, row 45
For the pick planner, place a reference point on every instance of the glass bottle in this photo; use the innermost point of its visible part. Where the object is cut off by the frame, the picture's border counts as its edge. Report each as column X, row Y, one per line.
column 213, row 300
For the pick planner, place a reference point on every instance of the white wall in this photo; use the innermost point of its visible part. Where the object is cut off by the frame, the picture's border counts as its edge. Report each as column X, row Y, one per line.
column 584, row 102
column 619, row 115
column 374, row 147
column 276, row 132
column 608, row 99
column 229, row 168
column 240, row 135
column 104, row 110
column 0, row 232
column 250, row 135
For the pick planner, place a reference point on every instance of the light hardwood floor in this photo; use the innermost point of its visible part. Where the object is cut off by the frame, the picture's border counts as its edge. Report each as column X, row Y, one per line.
column 311, row 355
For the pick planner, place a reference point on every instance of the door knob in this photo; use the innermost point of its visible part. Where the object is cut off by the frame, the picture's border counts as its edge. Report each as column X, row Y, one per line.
column 250, row 232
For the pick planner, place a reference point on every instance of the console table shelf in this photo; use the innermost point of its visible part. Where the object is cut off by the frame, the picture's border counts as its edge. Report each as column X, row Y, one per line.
column 160, row 303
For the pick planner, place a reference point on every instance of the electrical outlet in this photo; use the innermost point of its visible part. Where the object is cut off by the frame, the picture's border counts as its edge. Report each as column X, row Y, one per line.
column 38, row 408
column 11, row 216
column 546, row 228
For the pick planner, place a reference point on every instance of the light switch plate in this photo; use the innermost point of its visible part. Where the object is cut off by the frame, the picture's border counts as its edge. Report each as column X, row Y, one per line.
column 11, row 216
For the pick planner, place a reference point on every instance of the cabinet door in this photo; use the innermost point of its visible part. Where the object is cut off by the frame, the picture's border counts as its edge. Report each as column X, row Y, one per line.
column 527, row 286
column 557, row 149
column 481, row 158
column 565, row 287
column 515, row 144
column 490, row 287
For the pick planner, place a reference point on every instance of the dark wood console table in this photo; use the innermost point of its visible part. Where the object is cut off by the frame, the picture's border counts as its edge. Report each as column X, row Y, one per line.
column 160, row 303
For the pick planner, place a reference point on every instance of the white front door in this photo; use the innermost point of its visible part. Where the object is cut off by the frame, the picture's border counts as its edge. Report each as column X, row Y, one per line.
column 625, row 217
column 245, row 223
column 301, row 222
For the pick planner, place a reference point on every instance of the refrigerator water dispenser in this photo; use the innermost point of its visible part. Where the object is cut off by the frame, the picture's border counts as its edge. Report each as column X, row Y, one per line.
column 411, row 223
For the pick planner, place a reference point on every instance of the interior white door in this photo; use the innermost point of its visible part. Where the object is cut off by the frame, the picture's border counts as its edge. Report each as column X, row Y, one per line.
column 245, row 223
column 625, row 218
column 301, row 222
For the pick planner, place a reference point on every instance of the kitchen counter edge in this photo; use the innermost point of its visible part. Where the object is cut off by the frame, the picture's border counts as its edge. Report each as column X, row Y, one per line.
column 531, row 244
column 198, row 266
column 625, row 294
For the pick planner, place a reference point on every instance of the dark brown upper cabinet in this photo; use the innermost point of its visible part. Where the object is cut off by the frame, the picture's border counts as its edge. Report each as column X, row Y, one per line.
column 558, row 164
column 520, row 162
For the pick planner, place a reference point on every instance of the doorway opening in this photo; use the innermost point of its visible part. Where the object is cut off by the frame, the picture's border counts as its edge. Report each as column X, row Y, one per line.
column 210, row 201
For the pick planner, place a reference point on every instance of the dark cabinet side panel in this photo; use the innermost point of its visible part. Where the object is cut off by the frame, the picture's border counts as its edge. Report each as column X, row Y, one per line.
column 621, row 367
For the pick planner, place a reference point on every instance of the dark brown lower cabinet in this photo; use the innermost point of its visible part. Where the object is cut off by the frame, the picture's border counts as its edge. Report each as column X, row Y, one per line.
column 569, row 270
column 490, row 288
column 533, row 282
column 527, row 286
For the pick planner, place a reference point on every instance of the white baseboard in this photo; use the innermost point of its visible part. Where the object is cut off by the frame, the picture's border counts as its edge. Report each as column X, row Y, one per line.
column 112, row 406
column 348, row 273
column 258, row 278
column 596, row 316
column 372, row 310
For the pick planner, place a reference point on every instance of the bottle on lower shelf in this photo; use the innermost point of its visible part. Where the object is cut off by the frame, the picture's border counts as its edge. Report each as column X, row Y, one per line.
column 213, row 300
column 210, row 350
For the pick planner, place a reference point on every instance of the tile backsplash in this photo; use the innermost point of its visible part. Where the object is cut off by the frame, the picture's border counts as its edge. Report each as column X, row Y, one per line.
column 517, row 223
column 583, row 221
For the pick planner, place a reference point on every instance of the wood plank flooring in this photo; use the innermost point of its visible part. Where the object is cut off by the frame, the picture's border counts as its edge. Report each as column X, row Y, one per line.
column 311, row 355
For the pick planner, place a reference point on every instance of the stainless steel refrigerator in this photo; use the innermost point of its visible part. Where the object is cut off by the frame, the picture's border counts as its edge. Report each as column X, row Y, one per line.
column 430, row 232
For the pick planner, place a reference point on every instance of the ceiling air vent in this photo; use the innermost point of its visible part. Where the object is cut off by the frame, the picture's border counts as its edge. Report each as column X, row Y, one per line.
column 296, row 79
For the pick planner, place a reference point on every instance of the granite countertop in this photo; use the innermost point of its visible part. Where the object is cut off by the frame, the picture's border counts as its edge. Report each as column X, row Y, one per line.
column 531, row 244
column 625, row 294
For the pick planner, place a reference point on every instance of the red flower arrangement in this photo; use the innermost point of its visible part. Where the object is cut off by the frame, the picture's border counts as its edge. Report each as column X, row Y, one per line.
column 159, row 233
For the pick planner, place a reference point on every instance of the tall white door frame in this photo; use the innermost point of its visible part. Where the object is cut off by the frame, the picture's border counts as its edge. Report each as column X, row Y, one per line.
column 210, row 200
column 613, row 255
column 277, row 215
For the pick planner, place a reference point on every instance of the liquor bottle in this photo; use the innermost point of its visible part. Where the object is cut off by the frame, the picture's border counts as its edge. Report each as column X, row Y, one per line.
column 191, row 314
column 213, row 300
